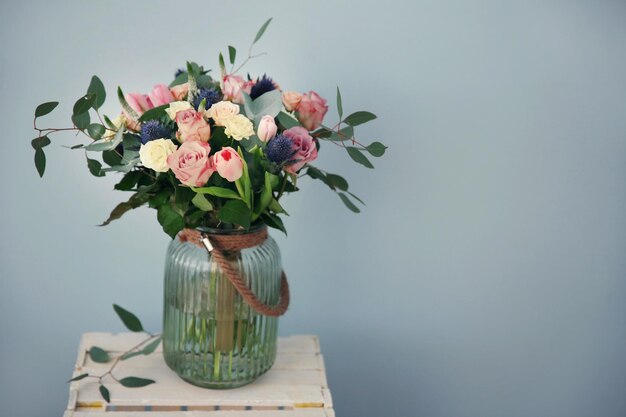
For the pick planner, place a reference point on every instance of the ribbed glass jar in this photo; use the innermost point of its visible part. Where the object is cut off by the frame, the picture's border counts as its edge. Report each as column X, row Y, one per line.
column 211, row 337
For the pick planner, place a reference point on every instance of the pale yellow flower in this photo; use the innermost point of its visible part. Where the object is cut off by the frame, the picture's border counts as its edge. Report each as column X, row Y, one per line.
column 238, row 127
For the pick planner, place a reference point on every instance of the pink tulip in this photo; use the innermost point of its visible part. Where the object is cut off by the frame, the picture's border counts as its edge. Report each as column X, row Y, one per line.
column 191, row 163
column 138, row 102
column 267, row 128
column 161, row 95
column 228, row 164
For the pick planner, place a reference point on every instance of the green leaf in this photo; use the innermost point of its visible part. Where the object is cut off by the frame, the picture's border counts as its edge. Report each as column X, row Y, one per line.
column 274, row 221
column 356, row 198
column 171, row 221
column 131, row 112
column 148, row 349
column 154, row 113
column 235, row 212
column 135, row 382
column 40, row 142
column 80, row 145
column 136, row 200
column 97, row 89
column 201, row 202
column 266, row 194
column 83, row 104
column 95, row 167
column 95, row 130
column 232, row 53
column 376, row 149
column 337, row 181
column 348, row 203
column 222, row 65
column 339, row 104
column 45, row 108
column 359, row 157
column 81, row 121
column 218, row 192
column 275, row 206
column 106, row 144
column 99, row 355
column 129, row 181
column 359, row 117
column 111, row 158
column 131, row 321
column 269, row 103
column 105, row 393
column 193, row 84
column 261, row 31
column 287, row 121
column 79, row 377
column 40, row 161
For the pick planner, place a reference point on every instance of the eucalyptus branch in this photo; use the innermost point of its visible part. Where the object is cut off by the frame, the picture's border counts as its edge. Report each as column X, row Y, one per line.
column 121, row 357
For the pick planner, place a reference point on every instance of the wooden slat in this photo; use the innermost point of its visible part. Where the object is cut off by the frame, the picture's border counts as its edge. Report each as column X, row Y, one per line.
column 296, row 385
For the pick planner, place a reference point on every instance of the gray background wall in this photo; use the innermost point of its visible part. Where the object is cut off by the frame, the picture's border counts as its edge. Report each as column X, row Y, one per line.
column 484, row 278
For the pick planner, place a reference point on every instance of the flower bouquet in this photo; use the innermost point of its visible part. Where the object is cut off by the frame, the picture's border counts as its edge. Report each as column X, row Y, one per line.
column 214, row 156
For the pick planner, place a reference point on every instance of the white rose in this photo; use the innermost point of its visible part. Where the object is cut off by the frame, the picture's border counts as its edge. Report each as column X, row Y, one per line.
column 238, row 127
column 222, row 111
column 175, row 107
column 154, row 154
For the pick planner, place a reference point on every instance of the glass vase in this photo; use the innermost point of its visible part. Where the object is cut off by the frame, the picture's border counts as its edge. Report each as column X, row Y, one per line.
column 211, row 337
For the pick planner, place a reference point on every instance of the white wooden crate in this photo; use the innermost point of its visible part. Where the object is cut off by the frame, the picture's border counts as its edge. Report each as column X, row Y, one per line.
column 296, row 385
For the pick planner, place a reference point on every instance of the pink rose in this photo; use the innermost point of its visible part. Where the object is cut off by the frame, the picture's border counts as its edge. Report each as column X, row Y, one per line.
column 303, row 147
column 291, row 99
column 191, row 163
column 233, row 86
column 192, row 127
column 228, row 164
column 161, row 95
column 267, row 128
column 311, row 110
column 180, row 91
column 138, row 102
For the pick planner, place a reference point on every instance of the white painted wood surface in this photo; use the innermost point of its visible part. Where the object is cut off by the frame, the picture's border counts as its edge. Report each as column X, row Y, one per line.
column 296, row 385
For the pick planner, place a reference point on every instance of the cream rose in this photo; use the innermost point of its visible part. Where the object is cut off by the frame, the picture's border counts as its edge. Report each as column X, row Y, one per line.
column 175, row 107
column 222, row 111
column 238, row 127
column 119, row 122
column 154, row 154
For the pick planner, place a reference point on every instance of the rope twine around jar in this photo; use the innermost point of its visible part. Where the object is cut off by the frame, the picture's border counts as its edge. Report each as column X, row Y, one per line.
column 218, row 245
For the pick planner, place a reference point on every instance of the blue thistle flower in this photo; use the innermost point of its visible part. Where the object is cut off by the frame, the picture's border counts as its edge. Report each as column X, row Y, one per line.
column 152, row 130
column 278, row 150
column 210, row 94
column 262, row 86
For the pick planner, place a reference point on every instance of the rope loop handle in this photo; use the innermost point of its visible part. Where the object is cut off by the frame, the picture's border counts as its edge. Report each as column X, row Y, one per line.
column 219, row 246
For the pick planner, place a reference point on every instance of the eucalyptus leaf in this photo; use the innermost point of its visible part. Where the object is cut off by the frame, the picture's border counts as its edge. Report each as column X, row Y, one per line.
column 359, row 157
column 154, row 113
column 148, row 349
column 97, row 89
column 339, row 104
column 232, row 54
column 131, row 321
column 359, row 117
column 95, row 130
column 40, row 142
column 348, row 203
column 40, row 161
column 99, row 355
column 81, row 121
column 287, row 120
column 83, row 104
column 261, row 31
column 105, row 393
column 376, row 149
column 135, row 382
column 45, row 108
column 106, row 144
column 79, row 377
column 337, row 181
column 95, row 167
column 136, row 200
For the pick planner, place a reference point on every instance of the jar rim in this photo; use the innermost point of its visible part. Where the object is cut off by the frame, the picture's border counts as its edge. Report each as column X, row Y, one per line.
column 216, row 231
